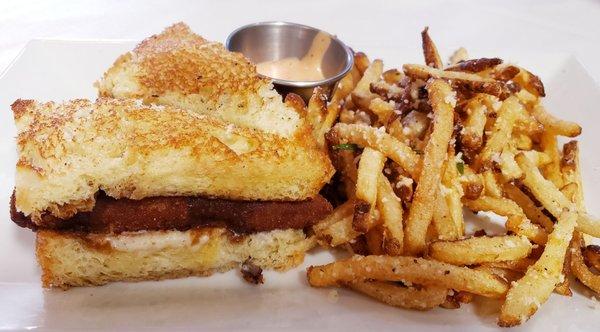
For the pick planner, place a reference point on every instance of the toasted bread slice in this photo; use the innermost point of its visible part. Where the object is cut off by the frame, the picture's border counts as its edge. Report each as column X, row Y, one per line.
column 182, row 69
column 71, row 259
column 69, row 152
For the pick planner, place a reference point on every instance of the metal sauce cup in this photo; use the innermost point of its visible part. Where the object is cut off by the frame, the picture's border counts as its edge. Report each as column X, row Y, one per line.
column 268, row 41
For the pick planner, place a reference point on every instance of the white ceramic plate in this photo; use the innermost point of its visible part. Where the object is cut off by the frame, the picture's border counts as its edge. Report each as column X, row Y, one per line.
column 60, row 70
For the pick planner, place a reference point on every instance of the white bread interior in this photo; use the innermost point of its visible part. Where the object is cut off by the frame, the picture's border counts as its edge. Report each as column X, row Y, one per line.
column 70, row 259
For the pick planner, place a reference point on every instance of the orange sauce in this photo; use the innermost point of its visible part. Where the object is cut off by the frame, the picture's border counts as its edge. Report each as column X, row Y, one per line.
column 294, row 69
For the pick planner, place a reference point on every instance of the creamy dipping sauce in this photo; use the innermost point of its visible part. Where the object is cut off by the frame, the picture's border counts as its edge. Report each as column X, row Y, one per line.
column 294, row 69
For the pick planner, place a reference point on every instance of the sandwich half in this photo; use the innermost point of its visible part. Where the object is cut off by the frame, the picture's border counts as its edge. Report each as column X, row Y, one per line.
column 172, row 184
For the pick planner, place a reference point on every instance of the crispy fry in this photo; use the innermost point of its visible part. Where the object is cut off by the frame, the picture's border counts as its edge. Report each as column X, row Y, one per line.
column 374, row 138
column 459, row 55
column 361, row 61
column 571, row 172
column 454, row 192
column 551, row 170
column 395, row 295
column 390, row 208
column 530, row 82
column 578, row 267
column 342, row 89
column 340, row 213
column 362, row 95
column 419, row 217
column 406, row 269
column 430, row 52
column 501, row 131
column 490, row 184
column 472, row 82
column 516, row 221
column 552, row 199
column 592, row 256
column 442, row 220
column 474, row 126
column 383, row 109
column 555, row 125
column 369, row 169
column 528, row 293
column 477, row 250
column 392, row 76
column 508, row 166
column 316, row 110
column 532, row 211
column 520, row 265
column 475, row 65
column 374, row 239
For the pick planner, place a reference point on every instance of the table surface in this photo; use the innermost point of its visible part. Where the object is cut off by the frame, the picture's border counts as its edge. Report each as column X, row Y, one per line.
column 546, row 26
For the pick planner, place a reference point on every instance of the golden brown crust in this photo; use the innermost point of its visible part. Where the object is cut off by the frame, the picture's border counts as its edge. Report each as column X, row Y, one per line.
column 68, row 152
column 182, row 69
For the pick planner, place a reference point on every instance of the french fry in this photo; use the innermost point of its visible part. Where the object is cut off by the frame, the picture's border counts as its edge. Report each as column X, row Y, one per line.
column 528, row 293
column 475, row 65
column 338, row 233
column 421, row 211
column 316, row 111
column 551, row 170
column 459, row 55
column 578, row 266
column 571, row 172
column 477, row 250
column 538, row 158
column 474, row 126
column 392, row 76
column 442, row 220
column 508, row 166
column 555, row 125
column 342, row 89
column 361, row 61
column 374, row 239
column 530, row 82
column 374, row 138
column 552, row 199
column 430, row 52
column 492, row 188
column 591, row 254
column 516, row 220
column 369, row 169
column 454, row 194
column 395, row 295
column 406, row 269
column 362, row 95
column 501, row 130
column 532, row 211
column 520, row 265
column 543, row 190
column 471, row 82
column 390, row 209
column 383, row 109
column 340, row 213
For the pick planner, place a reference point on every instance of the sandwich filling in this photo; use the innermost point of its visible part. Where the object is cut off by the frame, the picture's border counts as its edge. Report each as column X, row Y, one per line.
column 111, row 215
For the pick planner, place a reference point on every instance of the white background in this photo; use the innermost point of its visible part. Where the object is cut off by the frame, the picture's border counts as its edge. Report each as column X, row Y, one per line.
column 550, row 25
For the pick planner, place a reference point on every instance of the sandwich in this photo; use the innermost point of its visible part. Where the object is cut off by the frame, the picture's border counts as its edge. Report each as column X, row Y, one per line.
column 163, row 177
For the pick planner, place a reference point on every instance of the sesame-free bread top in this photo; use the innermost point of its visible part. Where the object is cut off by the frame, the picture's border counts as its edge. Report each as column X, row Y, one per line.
column 68, row 152
column 182, row 69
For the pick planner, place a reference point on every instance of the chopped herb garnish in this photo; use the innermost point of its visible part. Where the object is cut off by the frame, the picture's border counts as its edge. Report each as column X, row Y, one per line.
column 460, row 166
column 419, row 152
column 346, row 146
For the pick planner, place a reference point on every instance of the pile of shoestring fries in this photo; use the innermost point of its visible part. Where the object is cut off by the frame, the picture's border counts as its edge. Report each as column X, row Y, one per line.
column 413, row 147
